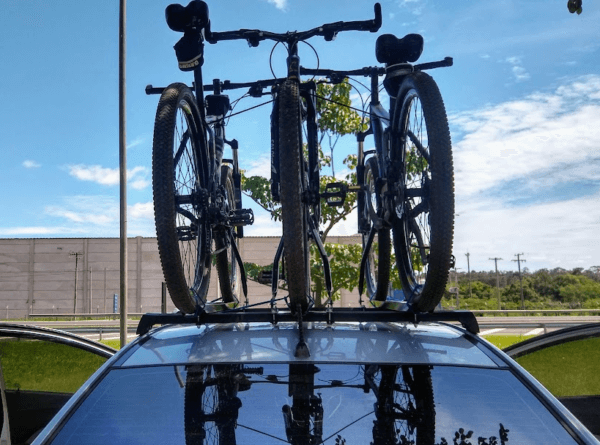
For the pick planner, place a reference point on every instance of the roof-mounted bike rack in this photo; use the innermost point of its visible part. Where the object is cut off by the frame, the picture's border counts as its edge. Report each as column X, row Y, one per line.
column 332, row 315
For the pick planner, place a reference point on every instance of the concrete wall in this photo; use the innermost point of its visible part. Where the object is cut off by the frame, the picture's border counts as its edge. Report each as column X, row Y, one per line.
column 38, row 275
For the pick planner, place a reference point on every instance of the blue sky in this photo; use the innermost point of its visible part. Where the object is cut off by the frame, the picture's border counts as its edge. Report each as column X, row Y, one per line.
column 523, row 100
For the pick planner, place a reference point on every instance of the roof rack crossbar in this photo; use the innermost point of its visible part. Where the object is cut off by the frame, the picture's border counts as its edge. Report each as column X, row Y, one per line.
column 465, row 318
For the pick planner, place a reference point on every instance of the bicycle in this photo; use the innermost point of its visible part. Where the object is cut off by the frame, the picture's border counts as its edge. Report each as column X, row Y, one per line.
column 197, row 193
column 407, row 181
column 186, row 219
column 405, row 185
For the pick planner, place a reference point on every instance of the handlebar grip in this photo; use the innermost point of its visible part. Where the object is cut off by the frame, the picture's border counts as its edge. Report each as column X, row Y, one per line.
column 377, row 21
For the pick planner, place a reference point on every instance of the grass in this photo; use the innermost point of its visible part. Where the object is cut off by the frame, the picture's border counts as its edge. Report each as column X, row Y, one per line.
column 112, row 343
column 568, row 369
column 504, row 341
column 32, row 365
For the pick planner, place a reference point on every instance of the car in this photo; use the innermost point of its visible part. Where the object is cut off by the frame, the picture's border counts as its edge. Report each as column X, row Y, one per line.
column 40, row 369
column 348, row 376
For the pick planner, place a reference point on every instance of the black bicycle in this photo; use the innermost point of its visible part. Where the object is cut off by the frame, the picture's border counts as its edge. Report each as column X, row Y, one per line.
column 407, row 181
column 405, row 184
column 197, row 193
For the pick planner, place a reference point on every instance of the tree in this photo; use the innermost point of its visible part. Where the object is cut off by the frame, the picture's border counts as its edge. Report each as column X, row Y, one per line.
column 335, row 119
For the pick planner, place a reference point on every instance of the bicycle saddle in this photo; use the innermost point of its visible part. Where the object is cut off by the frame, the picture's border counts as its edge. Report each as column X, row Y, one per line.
column 192, row 16
column 391, row 50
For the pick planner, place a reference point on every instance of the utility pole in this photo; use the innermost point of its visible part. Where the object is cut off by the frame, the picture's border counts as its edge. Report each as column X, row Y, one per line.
column 123, row 170
column 91, row 289
column 519, row 260
column 76, row 255
column 469, row 274
column 457, row 288
column 495, row 260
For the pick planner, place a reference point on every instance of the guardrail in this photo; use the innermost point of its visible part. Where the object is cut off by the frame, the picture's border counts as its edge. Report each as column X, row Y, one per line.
column 92, row 316
column 536, row 311
column 113, row 316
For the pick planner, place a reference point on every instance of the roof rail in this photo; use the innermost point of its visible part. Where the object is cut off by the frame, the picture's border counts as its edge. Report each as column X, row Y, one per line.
column 331, row 315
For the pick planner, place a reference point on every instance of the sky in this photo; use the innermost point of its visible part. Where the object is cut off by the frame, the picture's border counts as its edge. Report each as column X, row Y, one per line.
column 523, row 102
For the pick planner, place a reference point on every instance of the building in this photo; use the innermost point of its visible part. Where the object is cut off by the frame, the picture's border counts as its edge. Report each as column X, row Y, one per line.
column 67, row 275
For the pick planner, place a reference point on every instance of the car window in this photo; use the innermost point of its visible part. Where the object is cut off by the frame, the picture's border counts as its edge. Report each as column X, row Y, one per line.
column 331, row 403
column 4, row 425
column 39, row 378
column 38, row 365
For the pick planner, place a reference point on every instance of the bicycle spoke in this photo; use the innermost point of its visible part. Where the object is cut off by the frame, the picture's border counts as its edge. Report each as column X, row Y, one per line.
column 414, row 229
column 182, row 145
column 415, row 140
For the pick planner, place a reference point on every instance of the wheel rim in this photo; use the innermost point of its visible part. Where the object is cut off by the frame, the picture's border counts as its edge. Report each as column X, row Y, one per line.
column 372, row 258
column 413, row 208
column 192, row 235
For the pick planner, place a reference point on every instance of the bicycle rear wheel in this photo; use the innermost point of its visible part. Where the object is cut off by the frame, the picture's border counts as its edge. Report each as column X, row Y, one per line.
column 423, row 224
column 293, row 183
column 230, row 278
column 377, row 270
column 179, row 182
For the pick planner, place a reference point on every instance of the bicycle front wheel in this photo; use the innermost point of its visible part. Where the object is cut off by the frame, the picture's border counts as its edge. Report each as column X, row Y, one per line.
column 293, row 183
column 179, row 183
column 377, row 270
column 423, row 224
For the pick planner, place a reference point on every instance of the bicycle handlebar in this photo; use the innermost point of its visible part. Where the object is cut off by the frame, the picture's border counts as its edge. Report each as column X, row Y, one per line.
column 335, row 76
column 329, row 31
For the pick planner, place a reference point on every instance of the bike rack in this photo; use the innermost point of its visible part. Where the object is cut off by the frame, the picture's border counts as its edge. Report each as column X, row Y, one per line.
column 331, row 315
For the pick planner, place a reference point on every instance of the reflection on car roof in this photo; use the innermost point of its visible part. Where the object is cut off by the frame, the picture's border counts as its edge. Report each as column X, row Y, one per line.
column 405, row 343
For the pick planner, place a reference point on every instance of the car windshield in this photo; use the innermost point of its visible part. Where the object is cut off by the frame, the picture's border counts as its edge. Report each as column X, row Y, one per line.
column 310, row 404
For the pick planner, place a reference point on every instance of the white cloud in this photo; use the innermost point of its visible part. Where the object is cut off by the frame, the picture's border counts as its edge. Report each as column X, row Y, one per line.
column 258, row 167
column 137, row 141
column 139, row 184
column 31, row 164
column 142, row 210
column 528, row 179
column 109, row 176
column 35, row 231
column 415, row 6
column 91, row 216
column 279, row 4
column 263, row 225
column 519, row 72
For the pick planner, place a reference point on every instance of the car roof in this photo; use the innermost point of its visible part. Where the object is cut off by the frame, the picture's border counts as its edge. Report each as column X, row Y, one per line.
column 343, row 342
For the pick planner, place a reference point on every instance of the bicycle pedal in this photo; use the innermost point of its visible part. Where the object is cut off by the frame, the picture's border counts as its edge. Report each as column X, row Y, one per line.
column 335, row 194
column 241, row 217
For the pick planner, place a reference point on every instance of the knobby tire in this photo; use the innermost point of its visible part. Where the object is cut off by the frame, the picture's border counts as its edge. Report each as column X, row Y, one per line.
column 294, row 214
column 180, row 167
column 423, row 224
